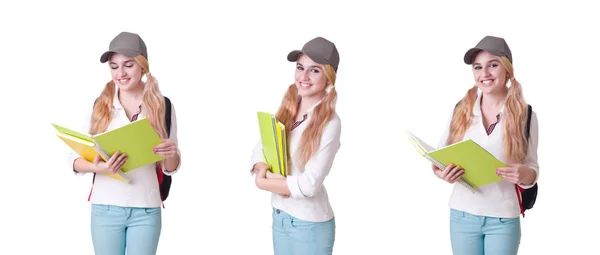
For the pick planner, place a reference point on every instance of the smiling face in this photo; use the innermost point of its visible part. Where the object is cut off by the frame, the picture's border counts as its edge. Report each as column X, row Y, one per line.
column 125, row 71
column 310, row 78
column 490, row 75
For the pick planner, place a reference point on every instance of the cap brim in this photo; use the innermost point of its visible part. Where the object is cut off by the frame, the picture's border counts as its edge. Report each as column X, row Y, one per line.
column 294, row 55
column 470, row 55
column 127, row 52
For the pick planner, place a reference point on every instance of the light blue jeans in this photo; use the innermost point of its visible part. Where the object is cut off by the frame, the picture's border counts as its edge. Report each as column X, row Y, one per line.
column 292, row 236
column 115, row 229
column 478, row 235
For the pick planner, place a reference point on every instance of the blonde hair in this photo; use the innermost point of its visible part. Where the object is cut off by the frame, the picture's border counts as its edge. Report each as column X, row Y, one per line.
column 514, row 143
column 322, row 113
column 153, row 104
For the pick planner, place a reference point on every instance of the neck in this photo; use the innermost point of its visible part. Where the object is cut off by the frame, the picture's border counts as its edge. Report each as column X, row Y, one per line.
column 131, row 96
column 308, row 102
column 494, row 100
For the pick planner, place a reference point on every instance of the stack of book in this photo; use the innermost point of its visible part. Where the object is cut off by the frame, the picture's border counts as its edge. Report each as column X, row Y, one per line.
column 274, row 143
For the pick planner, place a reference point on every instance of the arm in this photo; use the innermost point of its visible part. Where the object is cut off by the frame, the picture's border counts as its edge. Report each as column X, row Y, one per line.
column 531, row 166
column 317, row 168
column 172, row 164
column 257, row 157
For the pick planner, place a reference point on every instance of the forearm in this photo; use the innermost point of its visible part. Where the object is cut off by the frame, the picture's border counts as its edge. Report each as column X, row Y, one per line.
column 171, row 164
column 277, row 186
column 83, row 166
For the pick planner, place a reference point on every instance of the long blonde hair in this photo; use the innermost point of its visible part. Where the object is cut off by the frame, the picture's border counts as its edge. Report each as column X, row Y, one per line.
column 515, row 143
column 153, row 104
column 322, row 113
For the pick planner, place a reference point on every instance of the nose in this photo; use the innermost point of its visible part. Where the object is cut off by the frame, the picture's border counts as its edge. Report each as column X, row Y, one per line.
column 122, row 71
column 486, row 71
column 304, row 75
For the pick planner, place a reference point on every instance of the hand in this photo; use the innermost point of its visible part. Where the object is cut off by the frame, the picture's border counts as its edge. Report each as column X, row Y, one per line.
column 276, row 176
column 450, row 174
column 167, row 148
column 517, row 174
column 259, row 166
column 261, row 174
column 114, row 164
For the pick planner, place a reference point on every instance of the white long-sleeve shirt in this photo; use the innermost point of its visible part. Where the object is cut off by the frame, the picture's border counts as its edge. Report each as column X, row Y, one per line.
column 498, row 199
column 143, row 190
column 309, row 200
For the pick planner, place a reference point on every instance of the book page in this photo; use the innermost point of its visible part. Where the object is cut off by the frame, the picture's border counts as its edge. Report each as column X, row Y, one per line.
column 425, row 146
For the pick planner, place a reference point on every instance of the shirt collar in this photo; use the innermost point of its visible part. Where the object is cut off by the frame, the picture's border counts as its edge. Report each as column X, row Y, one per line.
column 116, row 103
column 477, row 106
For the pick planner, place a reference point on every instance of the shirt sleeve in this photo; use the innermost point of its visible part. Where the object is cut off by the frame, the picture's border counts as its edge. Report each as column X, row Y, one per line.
column 257, row 155
column 531, row 160
column 319, row 165
column 173, row 136
column 85, row 128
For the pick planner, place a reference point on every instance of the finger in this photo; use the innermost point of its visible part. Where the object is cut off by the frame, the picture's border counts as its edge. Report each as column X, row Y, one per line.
column 456, row 175
column 446, row 170
column 166, row 153
column 163, row 149
column 120, row 161
column 452, row 172
column 113, row 158
column 97, row 159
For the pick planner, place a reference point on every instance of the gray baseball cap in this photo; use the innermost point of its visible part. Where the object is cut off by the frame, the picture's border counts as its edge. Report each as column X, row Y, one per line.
column 494, row 45
column 319, row 50
column 126, row 43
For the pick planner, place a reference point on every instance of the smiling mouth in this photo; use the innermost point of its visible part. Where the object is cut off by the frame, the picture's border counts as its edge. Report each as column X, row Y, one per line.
column 305, row 85
column 487, row 82
column 123, row 81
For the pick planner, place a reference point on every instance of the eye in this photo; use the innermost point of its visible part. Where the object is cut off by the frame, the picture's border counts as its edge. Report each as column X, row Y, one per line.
column 299, row 68
column 494, row 65
column 477, row 67
column 129, row 65
column 114, row 67
column 314, row 70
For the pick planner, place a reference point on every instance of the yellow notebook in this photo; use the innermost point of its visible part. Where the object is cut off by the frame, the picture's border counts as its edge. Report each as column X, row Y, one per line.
column 136, row 139
column 273, row 133
column 479, row 165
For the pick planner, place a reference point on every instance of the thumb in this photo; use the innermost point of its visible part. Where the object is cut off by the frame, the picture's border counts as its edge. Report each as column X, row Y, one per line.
column 97, row 159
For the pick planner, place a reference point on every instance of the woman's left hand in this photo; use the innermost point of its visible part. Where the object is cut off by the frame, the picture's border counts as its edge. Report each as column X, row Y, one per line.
column 167, row 148
column 517, row 174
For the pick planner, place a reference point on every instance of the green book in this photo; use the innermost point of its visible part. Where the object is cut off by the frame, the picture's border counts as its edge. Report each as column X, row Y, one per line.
column 136, row 139
column 274, row 144
column 479, row 165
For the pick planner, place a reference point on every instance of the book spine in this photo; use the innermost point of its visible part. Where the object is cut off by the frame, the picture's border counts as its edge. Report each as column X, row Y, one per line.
column 461, row 181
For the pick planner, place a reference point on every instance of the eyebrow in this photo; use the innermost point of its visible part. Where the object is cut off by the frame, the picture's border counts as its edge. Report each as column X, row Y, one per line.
column 315, row 66
column 493, row 60
column 123, row 62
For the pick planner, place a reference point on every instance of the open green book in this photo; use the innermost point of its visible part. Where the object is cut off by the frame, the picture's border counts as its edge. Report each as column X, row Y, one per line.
column 136, row 139
column 479, row 165
column 274, row 144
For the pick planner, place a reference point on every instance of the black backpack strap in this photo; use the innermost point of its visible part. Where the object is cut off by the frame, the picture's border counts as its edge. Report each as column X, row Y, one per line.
column 168, row 115
column 527, row 127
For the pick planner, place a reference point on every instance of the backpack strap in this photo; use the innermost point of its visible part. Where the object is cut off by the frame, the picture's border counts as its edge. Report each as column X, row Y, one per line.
column 517, row 187
column 168, row 115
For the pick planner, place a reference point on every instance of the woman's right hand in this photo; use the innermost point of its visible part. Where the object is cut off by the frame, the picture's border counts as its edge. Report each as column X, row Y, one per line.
column 450, row 174
column 111, row 166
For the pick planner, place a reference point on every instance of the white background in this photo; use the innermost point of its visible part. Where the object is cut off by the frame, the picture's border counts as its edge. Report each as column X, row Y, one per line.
column 401, row 69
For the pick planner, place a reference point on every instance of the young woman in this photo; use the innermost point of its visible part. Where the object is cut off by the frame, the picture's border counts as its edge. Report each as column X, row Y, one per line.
column 493, row 115
column 303, row 220
column 128, row 216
